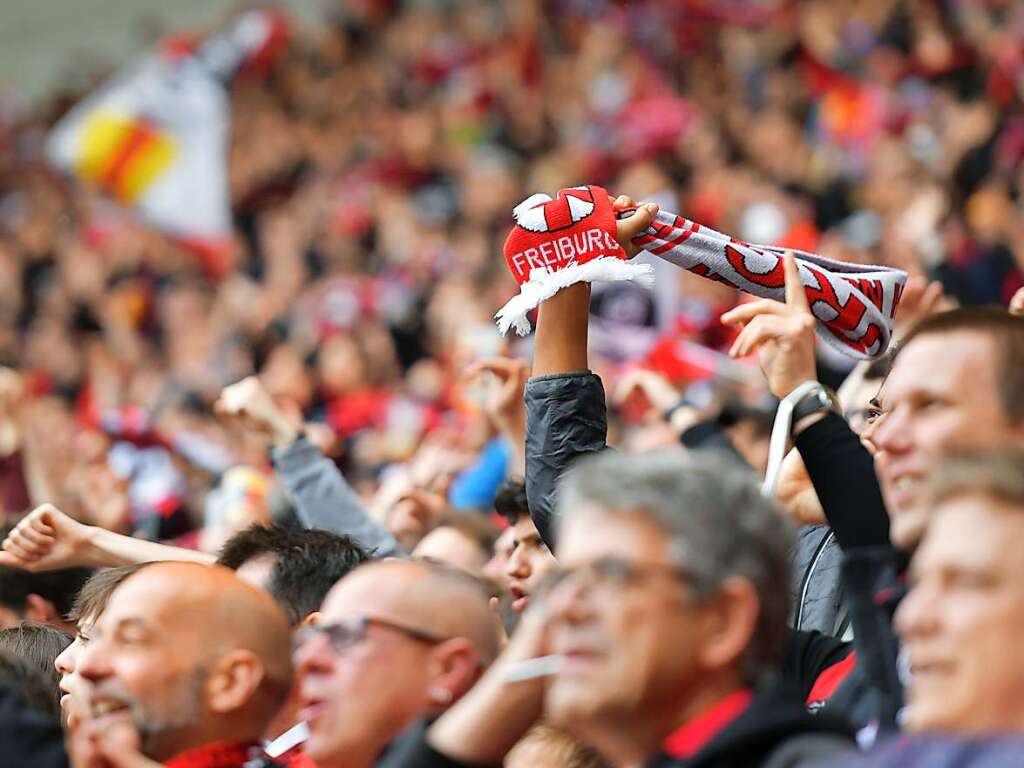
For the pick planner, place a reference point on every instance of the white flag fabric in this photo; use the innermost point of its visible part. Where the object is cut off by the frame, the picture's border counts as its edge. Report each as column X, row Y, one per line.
column 155, row 136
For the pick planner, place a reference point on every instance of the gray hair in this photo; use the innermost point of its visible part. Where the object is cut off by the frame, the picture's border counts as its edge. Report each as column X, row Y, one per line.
column 719, row 524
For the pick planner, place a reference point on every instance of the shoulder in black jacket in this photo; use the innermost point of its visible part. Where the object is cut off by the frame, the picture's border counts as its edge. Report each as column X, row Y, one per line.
column 775, row 731
column 28, row 737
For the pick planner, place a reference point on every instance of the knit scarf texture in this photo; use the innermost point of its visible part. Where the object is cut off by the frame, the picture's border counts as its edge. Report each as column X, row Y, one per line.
column 557, row 242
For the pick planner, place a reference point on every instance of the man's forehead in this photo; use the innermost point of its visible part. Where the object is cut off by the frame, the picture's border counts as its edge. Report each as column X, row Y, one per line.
column 141, row 596
column 971, row 529
column 377, row 587
column 591, row 533
column 525, row 528
column 937, row 361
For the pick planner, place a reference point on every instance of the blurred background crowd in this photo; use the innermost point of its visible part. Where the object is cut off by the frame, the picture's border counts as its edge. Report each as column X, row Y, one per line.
column 374, row 162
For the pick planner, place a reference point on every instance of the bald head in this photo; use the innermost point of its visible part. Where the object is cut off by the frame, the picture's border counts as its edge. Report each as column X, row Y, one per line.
column 221, row 611
column 436, row 599
column 193, row 653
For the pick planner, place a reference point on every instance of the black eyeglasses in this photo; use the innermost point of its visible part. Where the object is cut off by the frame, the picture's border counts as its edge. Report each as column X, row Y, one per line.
column 344, row 634
column 610, row 573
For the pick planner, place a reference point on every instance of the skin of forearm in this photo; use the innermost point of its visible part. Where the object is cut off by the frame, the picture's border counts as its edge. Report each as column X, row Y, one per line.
column 488, row 721
column 105, row 548
column 561, row 343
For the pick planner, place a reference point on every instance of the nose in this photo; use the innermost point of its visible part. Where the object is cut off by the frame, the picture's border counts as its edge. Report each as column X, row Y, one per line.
column 66, row 661
column 94, row 663
column 518, row 565
column 569, row 601
column 313, row 655
column 867, row 434
column 890, row 433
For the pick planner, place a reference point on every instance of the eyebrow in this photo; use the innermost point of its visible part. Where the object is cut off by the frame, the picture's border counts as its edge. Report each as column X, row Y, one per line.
column 130, row 623
column 874, row 402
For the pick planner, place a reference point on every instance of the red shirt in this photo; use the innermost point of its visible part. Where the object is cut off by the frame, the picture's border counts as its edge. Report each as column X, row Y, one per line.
column 691, row 737
column 221, row 754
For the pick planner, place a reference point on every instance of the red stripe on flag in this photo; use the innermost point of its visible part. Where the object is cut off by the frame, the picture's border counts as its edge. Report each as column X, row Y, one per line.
column 139, row 135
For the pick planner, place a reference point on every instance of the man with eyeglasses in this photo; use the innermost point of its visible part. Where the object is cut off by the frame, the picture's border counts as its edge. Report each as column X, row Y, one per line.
column 663, row 625
column 395, row 641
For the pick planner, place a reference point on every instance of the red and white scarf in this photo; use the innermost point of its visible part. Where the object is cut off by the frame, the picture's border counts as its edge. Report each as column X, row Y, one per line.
column 571, row 238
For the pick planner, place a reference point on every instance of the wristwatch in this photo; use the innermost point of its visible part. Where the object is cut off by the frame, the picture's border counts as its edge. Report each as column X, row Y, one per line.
column 820, row 399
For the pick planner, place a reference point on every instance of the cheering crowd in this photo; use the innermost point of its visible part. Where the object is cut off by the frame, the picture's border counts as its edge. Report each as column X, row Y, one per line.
column 299, row 504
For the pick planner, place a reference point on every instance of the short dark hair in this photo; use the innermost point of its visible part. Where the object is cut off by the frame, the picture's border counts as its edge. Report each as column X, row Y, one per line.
column 307, row 563
column 37, row 645
column 1007, row 334
column 510, row 501
column 58, row 587
column 93, row 596
column 31, row 685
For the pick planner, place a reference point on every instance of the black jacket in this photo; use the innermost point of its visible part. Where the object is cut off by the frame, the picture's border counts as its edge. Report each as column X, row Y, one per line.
column 566, row 418
column 775, row 731
column 28, row 737
column 815, row 587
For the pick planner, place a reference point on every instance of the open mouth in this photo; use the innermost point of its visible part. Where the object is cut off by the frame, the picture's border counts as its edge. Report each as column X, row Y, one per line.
column 519, row 599
column 108, row 707
column 311, row 709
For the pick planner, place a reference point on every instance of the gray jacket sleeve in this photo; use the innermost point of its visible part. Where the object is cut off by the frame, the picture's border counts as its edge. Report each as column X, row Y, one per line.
column 324, row 500
column 566, row 418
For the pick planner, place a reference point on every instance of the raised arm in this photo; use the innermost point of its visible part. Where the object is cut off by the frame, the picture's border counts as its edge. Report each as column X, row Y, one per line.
column 841, row 469
column 47, row 539
column 322, row 497
column 566, row 416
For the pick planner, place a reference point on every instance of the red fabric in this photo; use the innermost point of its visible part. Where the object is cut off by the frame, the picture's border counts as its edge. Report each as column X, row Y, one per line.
column 221, row 754
column 829, row 680
column 357, row 411
column 693, row 736
column 576, row 227
column 295, row 758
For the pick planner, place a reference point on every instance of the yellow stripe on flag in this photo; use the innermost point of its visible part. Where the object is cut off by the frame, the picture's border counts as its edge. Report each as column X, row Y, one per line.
column 102, row 134
column 145, row 165
column 122, row 154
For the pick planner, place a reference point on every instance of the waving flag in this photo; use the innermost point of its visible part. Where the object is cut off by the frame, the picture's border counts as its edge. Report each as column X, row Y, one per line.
column 154, row 137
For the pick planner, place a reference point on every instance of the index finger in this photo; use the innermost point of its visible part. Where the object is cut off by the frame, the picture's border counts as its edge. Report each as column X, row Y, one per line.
column 795, row 296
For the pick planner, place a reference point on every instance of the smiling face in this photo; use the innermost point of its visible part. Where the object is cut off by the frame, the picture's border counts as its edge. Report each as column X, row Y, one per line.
column 962, row 621
column 139, row 665
column 942, row 394
column 74, row 700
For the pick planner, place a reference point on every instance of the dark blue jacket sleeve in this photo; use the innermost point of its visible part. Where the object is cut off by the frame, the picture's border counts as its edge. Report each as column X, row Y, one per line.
column 566, row 418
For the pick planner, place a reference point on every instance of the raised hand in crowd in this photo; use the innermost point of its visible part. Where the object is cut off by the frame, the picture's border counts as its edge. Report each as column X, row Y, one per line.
column 47, row 540
column 106, row 744
column 251, row 404
column 782, row 334
column 919, row 300
column 504, row 400
column 660, row 395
